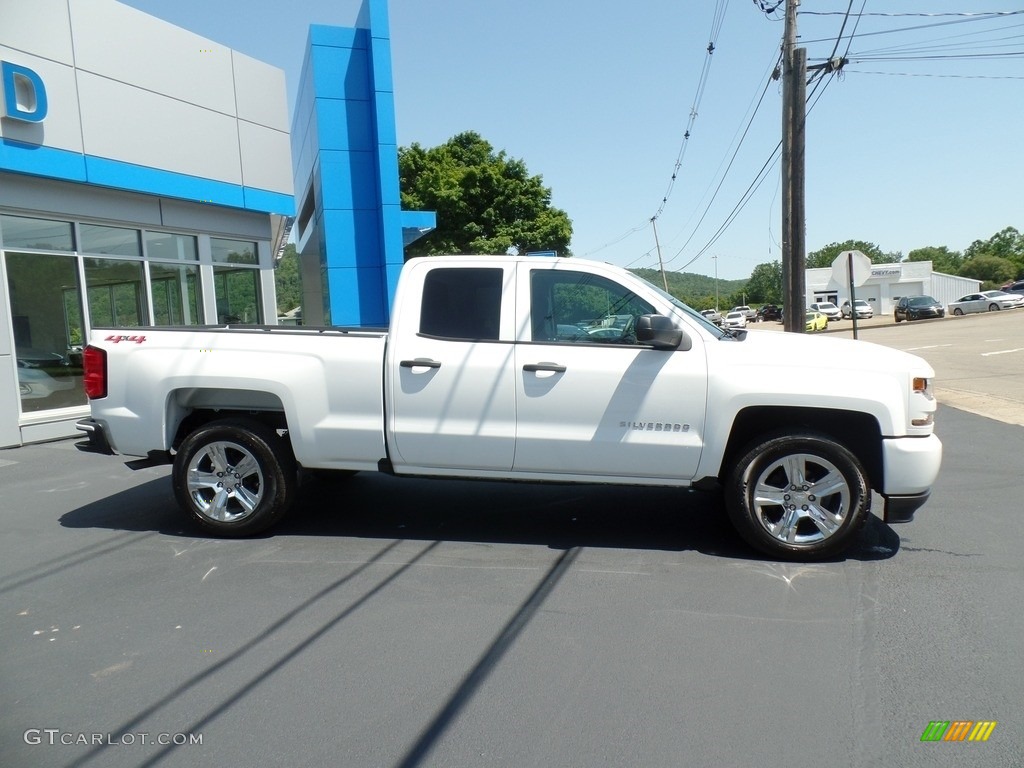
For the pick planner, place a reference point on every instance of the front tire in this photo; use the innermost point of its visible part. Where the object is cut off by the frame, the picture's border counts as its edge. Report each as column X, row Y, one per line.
column 234, row 477
column 958, row 311
column 797, row 497
column 993, row 307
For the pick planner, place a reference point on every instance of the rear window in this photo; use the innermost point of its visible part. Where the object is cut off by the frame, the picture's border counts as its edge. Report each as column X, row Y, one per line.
column 462, row 303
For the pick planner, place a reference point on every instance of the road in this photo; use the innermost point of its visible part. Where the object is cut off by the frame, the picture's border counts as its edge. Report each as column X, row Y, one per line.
column 400, row 622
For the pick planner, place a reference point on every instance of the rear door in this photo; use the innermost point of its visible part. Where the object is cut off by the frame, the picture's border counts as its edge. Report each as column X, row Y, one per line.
column 451, row 383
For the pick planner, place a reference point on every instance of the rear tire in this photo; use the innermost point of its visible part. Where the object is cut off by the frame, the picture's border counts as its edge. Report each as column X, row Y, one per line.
column 797, row 497
column 235, row 477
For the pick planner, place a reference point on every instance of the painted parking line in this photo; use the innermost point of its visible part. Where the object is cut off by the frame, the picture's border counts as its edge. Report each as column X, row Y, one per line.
column 1002, row 352
column 930, row 346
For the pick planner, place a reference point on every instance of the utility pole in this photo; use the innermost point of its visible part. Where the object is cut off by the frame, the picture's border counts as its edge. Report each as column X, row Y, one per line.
column 661, row 264
column 794, row 226
column 715, row 259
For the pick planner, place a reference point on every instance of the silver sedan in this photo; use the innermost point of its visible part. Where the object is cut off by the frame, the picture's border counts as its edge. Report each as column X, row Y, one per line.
column 986, row 301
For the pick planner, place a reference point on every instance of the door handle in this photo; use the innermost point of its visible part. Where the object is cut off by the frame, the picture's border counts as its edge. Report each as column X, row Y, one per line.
column 552, row 367
column 420, row 362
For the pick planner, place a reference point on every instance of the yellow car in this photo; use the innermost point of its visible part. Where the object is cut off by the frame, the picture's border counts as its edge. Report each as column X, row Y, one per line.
column 815, row 321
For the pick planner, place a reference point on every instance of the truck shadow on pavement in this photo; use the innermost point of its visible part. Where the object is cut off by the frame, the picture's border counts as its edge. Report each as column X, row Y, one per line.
column 373, row 506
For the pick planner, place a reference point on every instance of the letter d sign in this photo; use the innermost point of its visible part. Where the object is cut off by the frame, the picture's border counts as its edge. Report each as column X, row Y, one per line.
column 24, row 93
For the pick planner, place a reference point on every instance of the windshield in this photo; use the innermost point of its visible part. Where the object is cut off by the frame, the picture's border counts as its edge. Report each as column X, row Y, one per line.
column 688, row 311
column 920, row 301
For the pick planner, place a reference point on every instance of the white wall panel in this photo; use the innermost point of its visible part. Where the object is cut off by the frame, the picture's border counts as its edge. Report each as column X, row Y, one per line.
column 260, row 92
column 41, row 27
column 125, row 44
column 61, row 129
column 145, row 128
column 266, row 158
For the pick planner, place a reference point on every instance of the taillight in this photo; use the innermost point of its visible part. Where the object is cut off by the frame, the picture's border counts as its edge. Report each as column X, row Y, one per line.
column 94, row 361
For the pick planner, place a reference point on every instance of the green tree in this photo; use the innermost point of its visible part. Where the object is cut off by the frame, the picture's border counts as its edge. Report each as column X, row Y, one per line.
column 993, row 271
column 486, row 202
column 1007, row 244
column 824, row 257
column 288, row 281
column 942, row 259
column 765, row 283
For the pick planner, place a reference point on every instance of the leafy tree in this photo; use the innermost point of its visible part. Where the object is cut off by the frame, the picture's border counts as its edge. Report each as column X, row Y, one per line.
column 942, row 259
column 288, row 281
column 765, row 283
column 824, row 257
column 993, row 271
column 486, row 202
column 1007, row 244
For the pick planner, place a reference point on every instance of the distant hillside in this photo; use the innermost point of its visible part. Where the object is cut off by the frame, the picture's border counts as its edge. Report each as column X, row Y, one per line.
column 696, row 290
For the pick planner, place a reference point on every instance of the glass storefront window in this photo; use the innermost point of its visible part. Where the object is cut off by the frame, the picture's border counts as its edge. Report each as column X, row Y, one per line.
column 117, row 241
column 238, row 295
column 233, row 251
column 43, row 234
column 170, row 247
column 117, row 293
column 176, row 296
column 46, row 315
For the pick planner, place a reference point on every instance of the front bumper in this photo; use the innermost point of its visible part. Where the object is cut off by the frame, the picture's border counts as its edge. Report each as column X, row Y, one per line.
column 910, row 466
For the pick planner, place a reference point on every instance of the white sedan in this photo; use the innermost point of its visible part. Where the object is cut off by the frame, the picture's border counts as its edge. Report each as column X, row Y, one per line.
column 986, row 301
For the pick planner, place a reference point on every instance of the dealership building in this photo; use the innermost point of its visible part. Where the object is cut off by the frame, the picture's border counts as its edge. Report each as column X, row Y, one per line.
column 151, row 177
column 887, row 283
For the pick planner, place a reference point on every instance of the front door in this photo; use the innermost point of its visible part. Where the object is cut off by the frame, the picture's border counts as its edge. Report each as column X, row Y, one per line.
column 590, row 400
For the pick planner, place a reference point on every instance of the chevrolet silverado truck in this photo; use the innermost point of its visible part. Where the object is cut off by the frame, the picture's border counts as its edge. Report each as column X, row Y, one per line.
column 530, row 369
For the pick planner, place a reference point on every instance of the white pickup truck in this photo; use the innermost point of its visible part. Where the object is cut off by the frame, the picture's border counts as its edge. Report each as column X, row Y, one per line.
column 536, row 369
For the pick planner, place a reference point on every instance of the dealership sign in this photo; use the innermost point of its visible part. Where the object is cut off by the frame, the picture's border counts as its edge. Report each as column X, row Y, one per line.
column 24, row 95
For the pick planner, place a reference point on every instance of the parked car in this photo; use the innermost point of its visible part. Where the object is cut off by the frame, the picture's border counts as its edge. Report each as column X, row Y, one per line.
column 986, row 301
column 735, row 319
column 815, row 321
column 748, row 313
column 1016, row 286
column 828, row 309
column 862, row 308
column 712, row 315
column 770, row 312
column 917, row 308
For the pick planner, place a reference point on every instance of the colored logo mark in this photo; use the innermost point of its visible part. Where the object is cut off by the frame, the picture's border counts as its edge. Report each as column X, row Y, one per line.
column 958, row 730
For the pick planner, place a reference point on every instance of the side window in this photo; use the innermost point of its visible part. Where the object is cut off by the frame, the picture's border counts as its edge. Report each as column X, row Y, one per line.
column 462, row 304
column 580, row 307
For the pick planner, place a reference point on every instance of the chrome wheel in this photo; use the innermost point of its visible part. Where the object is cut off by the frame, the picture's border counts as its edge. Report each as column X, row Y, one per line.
column 225, row 482
column 801, row 496
column 235, row 477
column 801, row 499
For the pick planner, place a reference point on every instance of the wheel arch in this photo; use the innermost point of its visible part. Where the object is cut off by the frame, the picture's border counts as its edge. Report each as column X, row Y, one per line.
column 189, row 409
column 858, row 432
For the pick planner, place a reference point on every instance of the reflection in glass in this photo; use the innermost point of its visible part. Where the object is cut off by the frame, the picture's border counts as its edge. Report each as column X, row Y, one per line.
column 176, row 297
column 116, row 291
column 46, row 316
column 171, row 247
column 22, row 232
column 237, row 292
column 233, row 251
column 117, row 241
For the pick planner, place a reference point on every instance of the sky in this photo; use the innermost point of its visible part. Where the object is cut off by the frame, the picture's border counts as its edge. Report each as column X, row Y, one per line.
column 916, row 142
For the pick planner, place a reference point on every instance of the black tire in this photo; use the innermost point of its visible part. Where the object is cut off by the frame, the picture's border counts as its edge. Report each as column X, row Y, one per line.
column 235, row 477
column 958, row 311
column 787, row 519
column 897, row 318
column 993, row 307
